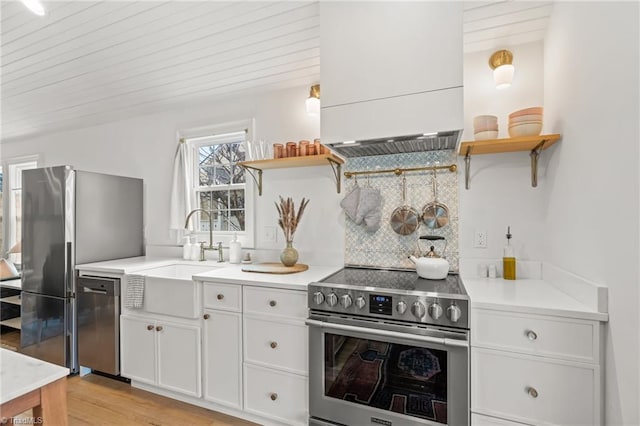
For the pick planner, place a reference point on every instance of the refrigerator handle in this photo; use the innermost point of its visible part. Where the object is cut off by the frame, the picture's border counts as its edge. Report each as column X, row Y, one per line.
column 69, row 271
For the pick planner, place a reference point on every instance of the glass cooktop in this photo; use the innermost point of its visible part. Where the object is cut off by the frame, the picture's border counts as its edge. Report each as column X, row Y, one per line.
column 395, row 279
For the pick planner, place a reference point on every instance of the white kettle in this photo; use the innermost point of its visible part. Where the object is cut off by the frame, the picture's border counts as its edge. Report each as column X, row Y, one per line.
column 431, row 266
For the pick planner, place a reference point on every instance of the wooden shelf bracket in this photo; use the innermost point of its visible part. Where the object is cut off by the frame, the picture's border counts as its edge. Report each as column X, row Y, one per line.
column 252, row 172
column 535, row 154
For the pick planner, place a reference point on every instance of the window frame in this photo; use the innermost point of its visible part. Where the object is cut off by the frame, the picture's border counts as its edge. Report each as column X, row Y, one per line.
column 197, row 137
column 10, row 169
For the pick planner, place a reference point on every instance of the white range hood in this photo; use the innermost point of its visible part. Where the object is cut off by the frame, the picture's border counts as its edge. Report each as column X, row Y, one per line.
column 391, row 76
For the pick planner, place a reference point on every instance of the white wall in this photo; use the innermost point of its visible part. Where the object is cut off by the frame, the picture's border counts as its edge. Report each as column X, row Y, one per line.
column 145, row 147
column 501, row 192
column 591, row 191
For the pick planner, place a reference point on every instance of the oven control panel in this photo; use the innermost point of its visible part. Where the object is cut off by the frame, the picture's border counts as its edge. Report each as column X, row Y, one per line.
column 422, row 309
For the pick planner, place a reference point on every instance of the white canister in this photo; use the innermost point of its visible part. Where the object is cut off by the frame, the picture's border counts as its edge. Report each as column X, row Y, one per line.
column 235, row 250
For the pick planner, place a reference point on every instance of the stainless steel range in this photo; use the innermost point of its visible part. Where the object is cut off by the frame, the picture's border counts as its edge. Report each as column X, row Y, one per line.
column 388, row 348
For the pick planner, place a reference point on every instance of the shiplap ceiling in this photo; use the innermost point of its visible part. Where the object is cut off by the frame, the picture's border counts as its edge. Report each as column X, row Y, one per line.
column 91, row 62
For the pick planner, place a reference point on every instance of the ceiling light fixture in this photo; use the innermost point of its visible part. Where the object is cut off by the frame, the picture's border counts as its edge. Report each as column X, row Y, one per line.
column 313, row 101
column 501, row 62
column 35, row 6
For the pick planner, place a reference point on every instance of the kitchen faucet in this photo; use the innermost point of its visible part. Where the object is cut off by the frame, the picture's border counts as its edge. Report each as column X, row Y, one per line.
column 202, row 246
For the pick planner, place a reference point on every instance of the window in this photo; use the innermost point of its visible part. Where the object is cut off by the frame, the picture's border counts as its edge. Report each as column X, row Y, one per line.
column 11, row 185
column 220, row 186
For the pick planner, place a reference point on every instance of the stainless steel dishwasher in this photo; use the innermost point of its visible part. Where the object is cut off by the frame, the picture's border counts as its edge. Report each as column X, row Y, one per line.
column 99, row 324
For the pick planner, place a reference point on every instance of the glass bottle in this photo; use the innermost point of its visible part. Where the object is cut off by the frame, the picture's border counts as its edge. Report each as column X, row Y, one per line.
column 509, row 259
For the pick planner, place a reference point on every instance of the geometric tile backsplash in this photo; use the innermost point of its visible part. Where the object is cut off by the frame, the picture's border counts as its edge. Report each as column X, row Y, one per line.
column 385, row 248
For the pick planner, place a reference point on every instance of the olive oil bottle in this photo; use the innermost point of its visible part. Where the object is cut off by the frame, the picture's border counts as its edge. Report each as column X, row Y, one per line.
column 509, row 259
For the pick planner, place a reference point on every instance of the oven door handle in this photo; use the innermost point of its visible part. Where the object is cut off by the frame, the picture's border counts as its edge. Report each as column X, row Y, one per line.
column 385, row 333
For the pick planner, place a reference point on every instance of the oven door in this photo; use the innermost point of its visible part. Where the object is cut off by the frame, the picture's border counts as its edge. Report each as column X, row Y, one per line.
column 364, row 372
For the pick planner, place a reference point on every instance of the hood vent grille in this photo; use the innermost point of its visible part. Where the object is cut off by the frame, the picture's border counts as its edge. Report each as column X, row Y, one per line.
column 399, row 145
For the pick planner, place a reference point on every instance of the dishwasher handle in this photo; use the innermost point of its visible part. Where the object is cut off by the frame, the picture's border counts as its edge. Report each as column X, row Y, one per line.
column 98, row 285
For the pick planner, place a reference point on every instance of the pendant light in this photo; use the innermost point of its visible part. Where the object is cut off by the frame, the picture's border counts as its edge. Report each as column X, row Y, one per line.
column 313, row 101
column 501, row 62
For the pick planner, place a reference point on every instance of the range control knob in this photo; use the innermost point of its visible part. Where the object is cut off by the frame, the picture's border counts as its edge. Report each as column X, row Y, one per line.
column 360, row 302
column 435, row 311
column 401, row 307
column 418, row 309
column 318, row 298
column 454, row 313
column 332, row 299
column 345, row 301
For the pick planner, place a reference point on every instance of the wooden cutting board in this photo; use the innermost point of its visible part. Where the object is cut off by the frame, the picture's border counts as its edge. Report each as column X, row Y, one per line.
column 275, row 268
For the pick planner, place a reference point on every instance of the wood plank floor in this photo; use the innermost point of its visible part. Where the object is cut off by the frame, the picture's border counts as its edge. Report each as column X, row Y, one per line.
column 96, row 400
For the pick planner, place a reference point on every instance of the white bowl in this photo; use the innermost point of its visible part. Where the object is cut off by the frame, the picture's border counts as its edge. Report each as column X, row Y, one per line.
column 485, row 120
column 489, row 134
column 525, row 129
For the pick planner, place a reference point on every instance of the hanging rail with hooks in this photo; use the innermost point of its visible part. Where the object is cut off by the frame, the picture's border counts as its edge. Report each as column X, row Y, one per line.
column 451, row 167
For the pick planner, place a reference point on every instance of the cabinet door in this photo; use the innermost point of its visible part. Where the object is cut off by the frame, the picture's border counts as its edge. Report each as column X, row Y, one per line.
column 223, row 358
column 137, row 349
column 179, row 357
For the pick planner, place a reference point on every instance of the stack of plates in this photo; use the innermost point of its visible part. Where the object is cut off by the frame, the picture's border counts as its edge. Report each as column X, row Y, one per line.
column 525, row 122
column 485, row 127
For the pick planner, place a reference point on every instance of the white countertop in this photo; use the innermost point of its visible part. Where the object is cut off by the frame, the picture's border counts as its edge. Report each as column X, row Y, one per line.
column 235, row 275
column 21, row 374
column 220, row 272
column 527, row 296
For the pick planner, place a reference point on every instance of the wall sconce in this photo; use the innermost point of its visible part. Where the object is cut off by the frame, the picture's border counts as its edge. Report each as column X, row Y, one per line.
column 313, row 101
column 501, row 64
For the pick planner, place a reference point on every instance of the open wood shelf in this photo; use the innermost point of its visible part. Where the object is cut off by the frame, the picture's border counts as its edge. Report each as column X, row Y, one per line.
column 14, row 300
column 282, row 163
column 12, row 322
column 496, row 146
column 534, row 144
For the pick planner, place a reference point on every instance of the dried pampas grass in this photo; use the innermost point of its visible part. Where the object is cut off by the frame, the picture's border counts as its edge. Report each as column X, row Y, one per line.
column 289, row 219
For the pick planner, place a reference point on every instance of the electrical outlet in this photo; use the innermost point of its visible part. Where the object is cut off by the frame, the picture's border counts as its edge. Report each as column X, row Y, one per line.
column 270, row 233
column 480, row 239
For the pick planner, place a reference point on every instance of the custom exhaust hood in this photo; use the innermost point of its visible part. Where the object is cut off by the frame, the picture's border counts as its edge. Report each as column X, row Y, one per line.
column 391, row 77
column 399, row 145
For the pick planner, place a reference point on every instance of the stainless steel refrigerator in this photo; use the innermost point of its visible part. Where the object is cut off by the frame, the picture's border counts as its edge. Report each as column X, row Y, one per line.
column 70, row 217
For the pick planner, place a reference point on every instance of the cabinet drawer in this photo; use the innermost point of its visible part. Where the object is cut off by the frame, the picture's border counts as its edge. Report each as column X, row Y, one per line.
column 271, row 301
column 534, row 390
column 480, row 420
column 227, row 297
column 280, row 396
column 549, row 336
column 278, row 344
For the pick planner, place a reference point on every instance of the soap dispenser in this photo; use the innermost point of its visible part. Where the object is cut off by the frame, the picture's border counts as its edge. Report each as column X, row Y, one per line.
column 509, row 259
column 186, row 248
column 235, row 249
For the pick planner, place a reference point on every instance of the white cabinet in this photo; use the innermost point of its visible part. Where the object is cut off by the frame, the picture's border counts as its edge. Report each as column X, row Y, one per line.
column 223, row 357
column 390, row 68
column 161, row 353
column 138, row 343
column 535, row 369
column 275, row 354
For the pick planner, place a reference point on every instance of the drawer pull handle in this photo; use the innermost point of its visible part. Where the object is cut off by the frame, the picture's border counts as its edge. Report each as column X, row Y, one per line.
column 533, row 393
column 159, row 328
column 149, row 327
column 532, row 335
column 272, row 303
column 273, row 345
column 273, row 396
column 220, row 296
column 207, row 316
